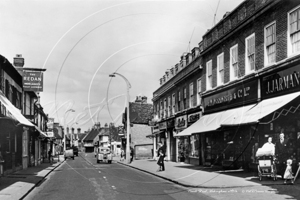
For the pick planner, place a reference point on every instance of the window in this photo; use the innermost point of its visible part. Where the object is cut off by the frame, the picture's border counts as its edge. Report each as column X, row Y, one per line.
column 209, row 75
column 169, row 106
column 294, row 31
column 234, row 67
column 184, row 98
column 250, row 54
column 199, row 91
column 191, row 95
column 220, row 67
column 179, row 99
column 157, row 110
column 165, row 108
column 270, row 45
column 161, row 110
column 173, row 103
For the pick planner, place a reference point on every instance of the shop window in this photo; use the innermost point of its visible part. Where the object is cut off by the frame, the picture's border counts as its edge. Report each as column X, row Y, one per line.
column 270, row 44
column 294, row 31
column 234, row 66
column 250, row 53
column 220, row 68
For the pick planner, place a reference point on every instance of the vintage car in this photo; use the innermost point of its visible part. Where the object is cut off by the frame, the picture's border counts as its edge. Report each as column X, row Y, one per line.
column 69, row 153
column 104, row 155
column 75, row 150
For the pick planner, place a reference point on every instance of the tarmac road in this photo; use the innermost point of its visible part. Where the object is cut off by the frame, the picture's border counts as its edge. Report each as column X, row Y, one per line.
column 83, row 178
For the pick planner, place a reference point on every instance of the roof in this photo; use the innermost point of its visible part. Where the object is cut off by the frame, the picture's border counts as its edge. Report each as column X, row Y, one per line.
column 140, row 113
column 91, row 135
column 104, row 131
column 81, row 135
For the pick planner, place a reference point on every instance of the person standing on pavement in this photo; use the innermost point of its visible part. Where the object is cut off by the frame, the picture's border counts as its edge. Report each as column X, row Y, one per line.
column 161, row 155
column 131, row 154
column 281, row 150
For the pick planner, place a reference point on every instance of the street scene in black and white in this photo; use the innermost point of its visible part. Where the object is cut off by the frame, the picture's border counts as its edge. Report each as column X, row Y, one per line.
column 138, row 99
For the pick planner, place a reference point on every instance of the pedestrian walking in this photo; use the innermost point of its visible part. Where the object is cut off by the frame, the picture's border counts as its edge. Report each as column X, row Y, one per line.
column 282, row 153
column 131, row 154
column 50, row 156
column 122, row 155
column 161, row 156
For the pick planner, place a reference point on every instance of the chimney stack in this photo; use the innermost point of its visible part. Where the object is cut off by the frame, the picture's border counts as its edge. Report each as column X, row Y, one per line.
column 18, row 60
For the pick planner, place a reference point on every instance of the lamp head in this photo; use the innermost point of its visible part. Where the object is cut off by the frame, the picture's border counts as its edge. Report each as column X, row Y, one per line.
column 112, row 75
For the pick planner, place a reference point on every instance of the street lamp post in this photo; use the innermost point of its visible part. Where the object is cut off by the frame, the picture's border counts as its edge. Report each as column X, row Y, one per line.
column 70, row 110
column 128, row 120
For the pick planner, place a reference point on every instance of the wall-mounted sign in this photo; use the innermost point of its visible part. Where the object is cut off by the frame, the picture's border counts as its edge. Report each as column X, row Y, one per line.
column 181, row 122
column 193, row 117
column 162, row 125
column 155, row 129
column 282, row 82
column 240, row 94
column 50, row 124
column 33, row 81
column 170, row 123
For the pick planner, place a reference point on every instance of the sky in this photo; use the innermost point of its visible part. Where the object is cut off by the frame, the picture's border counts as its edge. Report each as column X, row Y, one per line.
column 81, row 42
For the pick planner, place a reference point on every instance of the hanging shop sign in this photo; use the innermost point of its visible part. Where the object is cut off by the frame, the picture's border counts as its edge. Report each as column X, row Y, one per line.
column 33, row 81
column 155, row 129
column 282, row 82
column 181, row 122
column 193, row 117
column 170, row 123
column 240, row 94
column 162, row 125
column 50, row 124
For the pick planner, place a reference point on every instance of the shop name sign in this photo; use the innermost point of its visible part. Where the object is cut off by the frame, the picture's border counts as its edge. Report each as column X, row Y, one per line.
column 193, row 117
column 33, row 81
column 162, row 125
column 239, row 95
column 181, row 122
column 285, row 81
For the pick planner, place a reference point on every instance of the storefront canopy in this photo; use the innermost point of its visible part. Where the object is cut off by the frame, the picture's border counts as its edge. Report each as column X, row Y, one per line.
column 262, row 109
column 16, row 114
column 153, row 134
column 212, row 122
column 41, row 132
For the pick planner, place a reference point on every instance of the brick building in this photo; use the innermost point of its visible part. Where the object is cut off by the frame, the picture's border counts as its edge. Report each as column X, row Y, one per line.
column 249, row 83
column 140, row 113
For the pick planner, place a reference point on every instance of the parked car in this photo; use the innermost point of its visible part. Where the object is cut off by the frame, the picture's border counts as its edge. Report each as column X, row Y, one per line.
column 104, row 155
column 69, row 153
column 75, row 150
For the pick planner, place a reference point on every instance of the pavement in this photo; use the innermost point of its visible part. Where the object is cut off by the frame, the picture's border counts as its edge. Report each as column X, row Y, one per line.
column 18, row 184
column 204, row 177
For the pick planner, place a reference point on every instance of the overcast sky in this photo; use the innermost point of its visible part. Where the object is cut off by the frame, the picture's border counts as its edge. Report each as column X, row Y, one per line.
column 81, row 42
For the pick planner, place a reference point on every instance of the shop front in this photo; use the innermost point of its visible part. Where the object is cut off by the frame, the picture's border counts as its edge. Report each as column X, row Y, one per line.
column 162, row 136
column 224, row 145
column 171, row 141
column 182, row 141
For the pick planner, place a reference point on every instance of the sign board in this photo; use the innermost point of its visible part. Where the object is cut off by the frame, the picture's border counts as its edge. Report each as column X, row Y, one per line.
column 240, row 94
column 50, row 134
column 181, row 122
column 50, row 124
column 280, row 83
column 194, row 117
column 33, row 81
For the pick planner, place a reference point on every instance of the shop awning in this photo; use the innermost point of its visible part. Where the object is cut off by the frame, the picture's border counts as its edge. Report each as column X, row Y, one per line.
column 41, row 132
column 264, row 108
column 16, row 114
column 212, row 122
column 153, row 134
